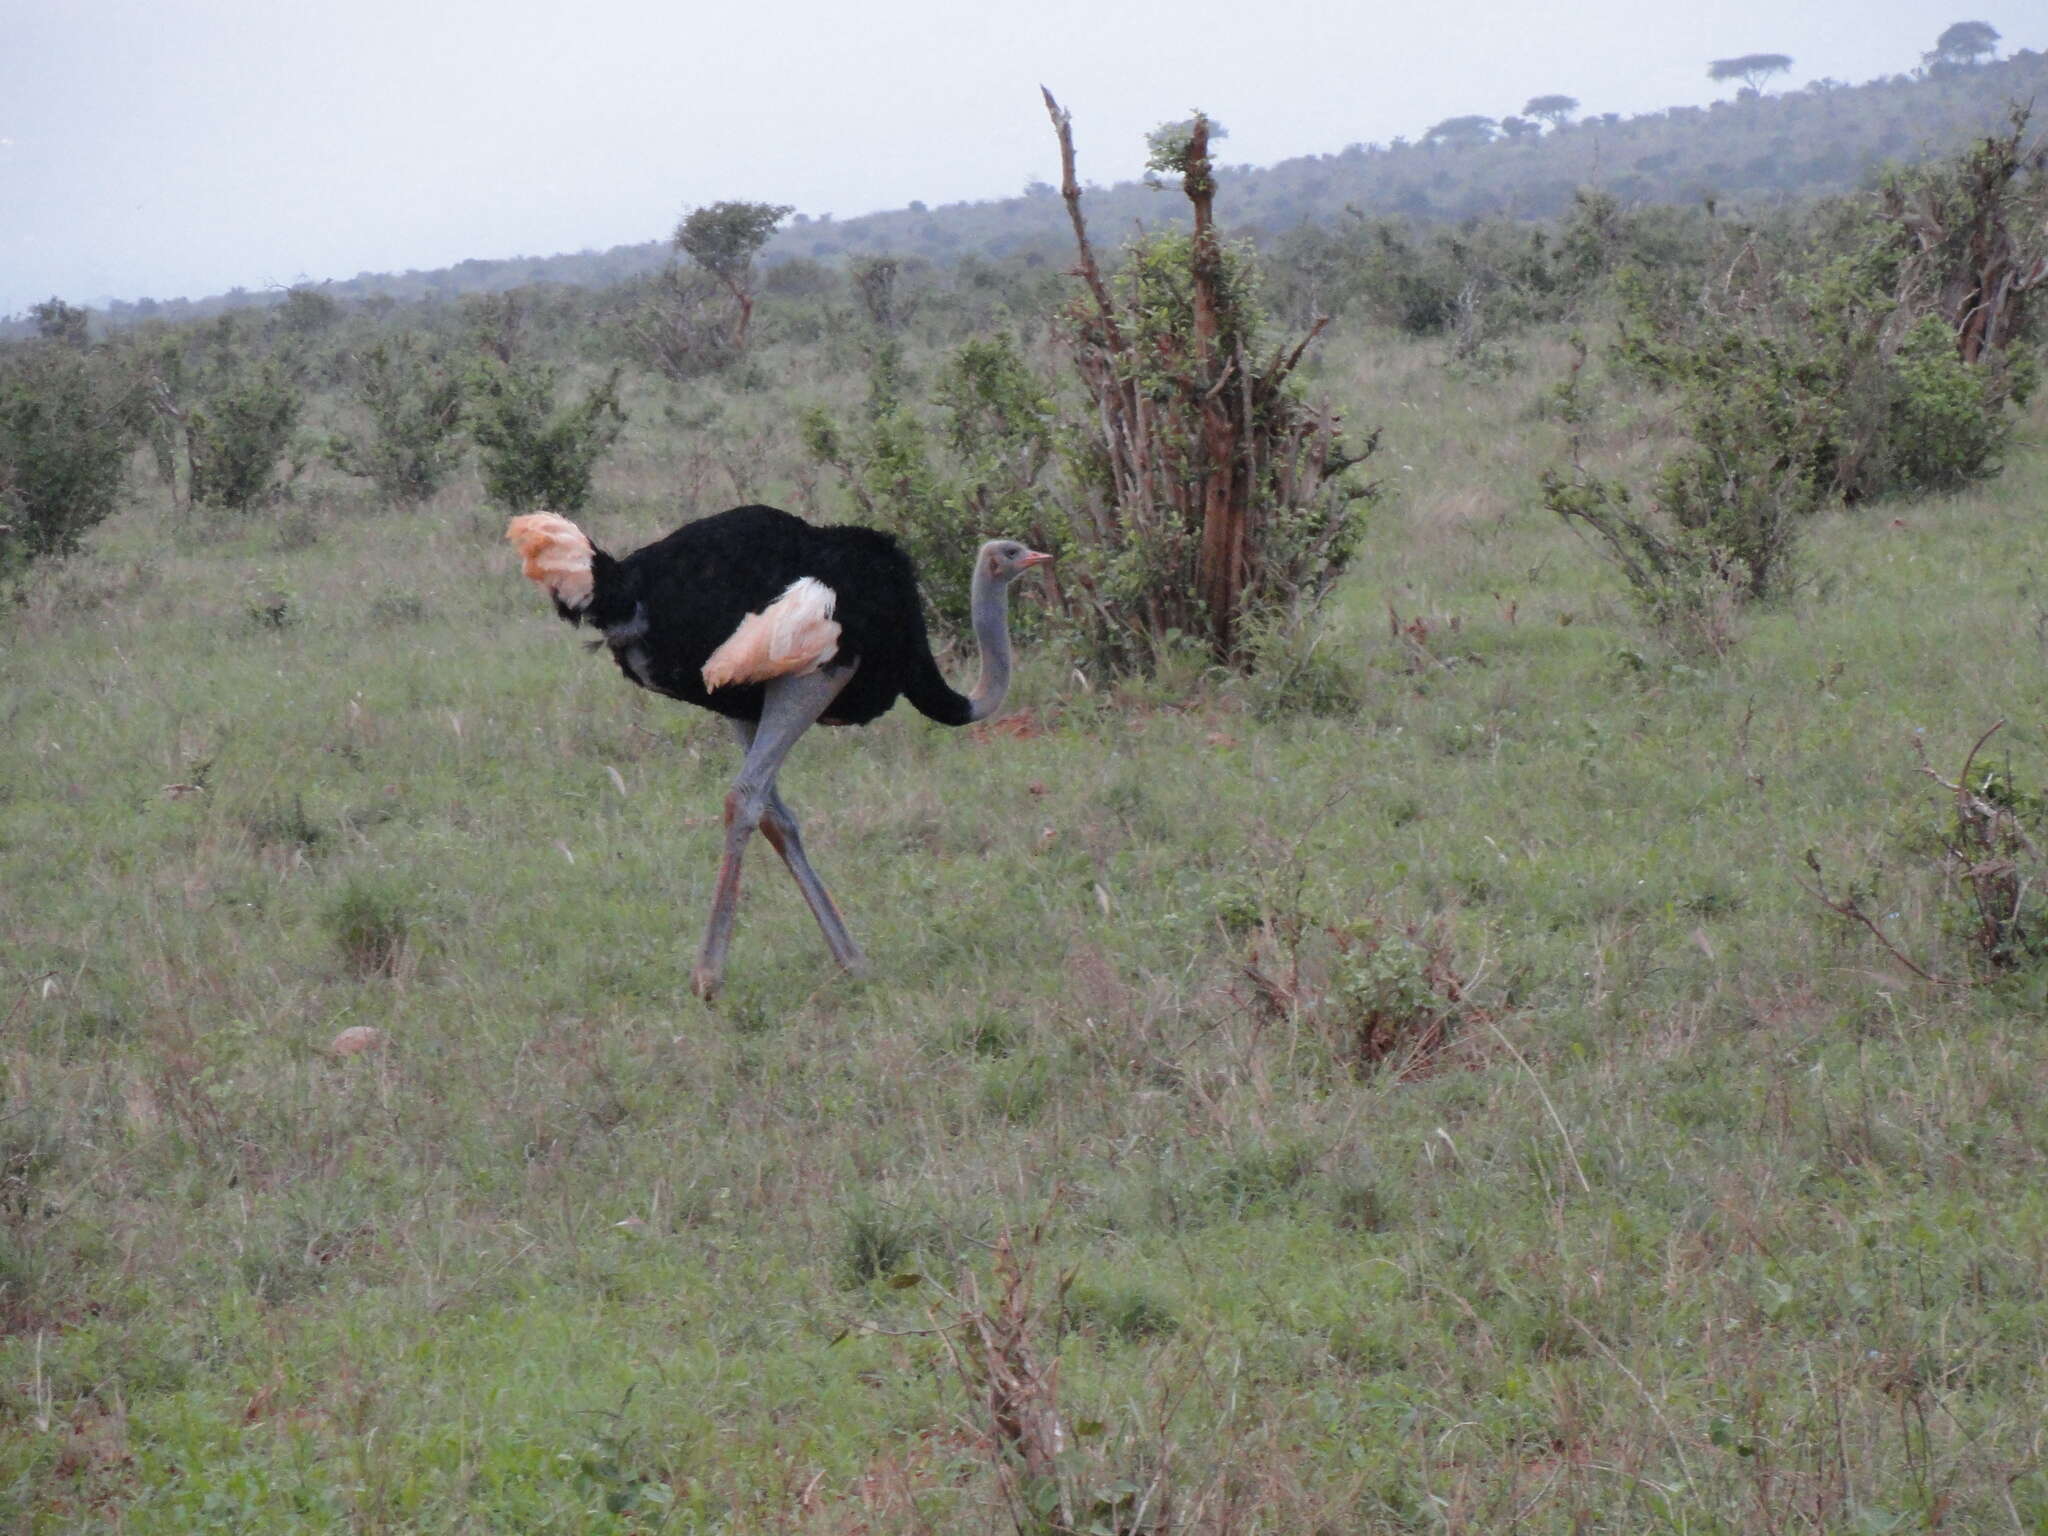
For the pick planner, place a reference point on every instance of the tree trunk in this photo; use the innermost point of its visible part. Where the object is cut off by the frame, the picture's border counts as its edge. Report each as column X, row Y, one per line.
column 1219, row 567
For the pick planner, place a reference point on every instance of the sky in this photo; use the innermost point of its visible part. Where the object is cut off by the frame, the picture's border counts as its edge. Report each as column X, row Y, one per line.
column 178, row 148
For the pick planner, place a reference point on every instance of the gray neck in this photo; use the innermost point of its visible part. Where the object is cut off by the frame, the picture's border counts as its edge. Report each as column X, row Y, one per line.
column 991, row 608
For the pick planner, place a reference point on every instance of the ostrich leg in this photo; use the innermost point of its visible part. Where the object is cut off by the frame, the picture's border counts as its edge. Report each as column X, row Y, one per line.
column 792, row 706
column 778, row 825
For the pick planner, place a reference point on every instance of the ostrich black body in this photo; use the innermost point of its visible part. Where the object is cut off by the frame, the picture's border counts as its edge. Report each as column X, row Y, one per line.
column 666, row 607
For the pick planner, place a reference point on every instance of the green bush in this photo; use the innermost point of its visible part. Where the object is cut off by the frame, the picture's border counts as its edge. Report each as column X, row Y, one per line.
column 1946, row 428
column 1188, row 487
column 238, row 433
column 1855, row 367
column 1685, row 580
column 414, row 405
column 533, row 451
column 229, row 415
column 65, row 431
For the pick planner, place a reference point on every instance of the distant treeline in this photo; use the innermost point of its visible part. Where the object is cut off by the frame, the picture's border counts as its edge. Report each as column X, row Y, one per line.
column 1755, row 152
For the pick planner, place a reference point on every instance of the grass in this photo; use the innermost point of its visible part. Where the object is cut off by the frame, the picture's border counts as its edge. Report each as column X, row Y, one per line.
column 1708, row 1216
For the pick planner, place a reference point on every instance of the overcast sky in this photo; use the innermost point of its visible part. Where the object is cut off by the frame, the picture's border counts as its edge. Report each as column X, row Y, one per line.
column 181, row 147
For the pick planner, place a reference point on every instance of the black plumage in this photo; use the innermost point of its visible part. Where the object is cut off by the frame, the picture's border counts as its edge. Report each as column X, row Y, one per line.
column 692, row 589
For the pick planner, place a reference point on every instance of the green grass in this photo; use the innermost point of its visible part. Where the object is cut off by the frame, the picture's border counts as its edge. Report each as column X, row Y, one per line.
column 1711, row 1217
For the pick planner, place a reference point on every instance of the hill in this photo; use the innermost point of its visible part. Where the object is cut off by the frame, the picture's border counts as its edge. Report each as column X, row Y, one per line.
column 1760, row 151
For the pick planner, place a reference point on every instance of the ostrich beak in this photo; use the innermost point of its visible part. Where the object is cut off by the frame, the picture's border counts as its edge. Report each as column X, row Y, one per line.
column 1033, row 557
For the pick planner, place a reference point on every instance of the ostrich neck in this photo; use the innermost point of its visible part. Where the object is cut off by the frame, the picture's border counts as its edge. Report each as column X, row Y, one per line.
column 990, row 601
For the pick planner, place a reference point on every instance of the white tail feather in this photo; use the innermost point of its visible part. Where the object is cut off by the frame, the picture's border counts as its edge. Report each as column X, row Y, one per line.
column 793, row 635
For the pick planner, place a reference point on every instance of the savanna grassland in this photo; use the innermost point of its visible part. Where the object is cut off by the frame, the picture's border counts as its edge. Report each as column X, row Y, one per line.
column 1419, row 1086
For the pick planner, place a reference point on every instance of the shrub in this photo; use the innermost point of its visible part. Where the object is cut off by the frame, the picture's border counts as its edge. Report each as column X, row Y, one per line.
column 1204, row 492
column 533, row 451
column 64, row 439
column 1993, row 864
column 414, row 405
column 1192, row 493
column 887, row 463
column 1397, row 999
column 1142, row 528
column 229, row 415
column 1686, row 580
column 1870, row 365
column 238, row 434
column 1379, row 994
column 1946, row 428
column 676, row 324
column 1990, row 843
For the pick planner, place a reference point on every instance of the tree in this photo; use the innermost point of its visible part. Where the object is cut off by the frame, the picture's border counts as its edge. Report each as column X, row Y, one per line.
column 1752, row 69
column 1216, row 501
column 1553, row 109
column 1963, row 45
column 723, row 239
column 306, row 311
column 1167, row 146
column 874, row 279
column 1462, row 132
column 679, row 324
column 62, row 323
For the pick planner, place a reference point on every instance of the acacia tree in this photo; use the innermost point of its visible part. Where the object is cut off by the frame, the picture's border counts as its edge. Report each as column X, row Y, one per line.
column 1554, row 109
column 1964, row 44
column 1752, row 69
column 1462, row 132
column 724, row 239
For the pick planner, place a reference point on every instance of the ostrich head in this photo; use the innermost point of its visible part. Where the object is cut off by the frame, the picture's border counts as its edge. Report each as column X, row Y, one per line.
column 1002, row 561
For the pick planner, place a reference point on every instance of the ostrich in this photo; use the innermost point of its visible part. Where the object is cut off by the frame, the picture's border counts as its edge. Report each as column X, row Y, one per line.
column 777, row 625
